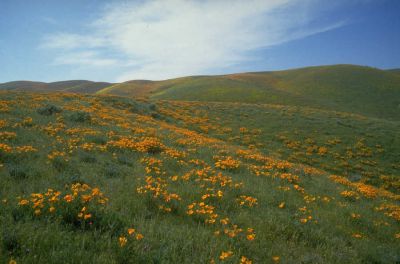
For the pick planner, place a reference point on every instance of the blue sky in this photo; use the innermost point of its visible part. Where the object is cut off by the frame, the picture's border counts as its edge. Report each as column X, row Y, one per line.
column 47, row 40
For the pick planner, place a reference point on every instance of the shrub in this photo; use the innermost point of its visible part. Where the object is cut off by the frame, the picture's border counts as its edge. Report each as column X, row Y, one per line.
column 97, row 139
column 49, row 110
column 21, row 171
column 79, row 116
column 152, row 107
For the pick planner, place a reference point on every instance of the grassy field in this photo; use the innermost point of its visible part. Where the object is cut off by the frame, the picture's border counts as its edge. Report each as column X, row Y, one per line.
column 356, row 146
column 106, row 179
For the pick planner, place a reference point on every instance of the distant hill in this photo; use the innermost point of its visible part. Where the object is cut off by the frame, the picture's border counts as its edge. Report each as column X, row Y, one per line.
column 349, row 88
column 394, row 71
column 76, row 86
column 363, row 90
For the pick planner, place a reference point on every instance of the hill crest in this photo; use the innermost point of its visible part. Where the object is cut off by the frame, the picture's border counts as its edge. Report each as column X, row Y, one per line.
column 349, row 88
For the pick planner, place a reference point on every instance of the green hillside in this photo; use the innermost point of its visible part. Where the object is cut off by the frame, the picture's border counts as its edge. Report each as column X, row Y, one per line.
column 107, row 179
column 397, row 71
column 347, row 88
column 77, row 86
column 344, row 88
column 23, row 86
column 143, row 88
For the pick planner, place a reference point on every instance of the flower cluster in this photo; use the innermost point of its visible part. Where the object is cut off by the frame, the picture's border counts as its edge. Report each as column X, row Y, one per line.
column 365, row 189
column 227, row 163
column 157, row 188
column 7, row 135
column 5, row 148
column 203, row 209
column 144, row 144
column 225, row 255
column 57, row 154
column 249, row 201
column 390, row 210
column 80, row 199
column 350, row 194
column 131, row 233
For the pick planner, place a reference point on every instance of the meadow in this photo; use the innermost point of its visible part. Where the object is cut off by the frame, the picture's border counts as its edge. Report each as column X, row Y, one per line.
column 109, row 179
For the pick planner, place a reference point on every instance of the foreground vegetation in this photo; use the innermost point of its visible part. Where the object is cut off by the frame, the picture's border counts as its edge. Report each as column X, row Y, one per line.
column 105, row 179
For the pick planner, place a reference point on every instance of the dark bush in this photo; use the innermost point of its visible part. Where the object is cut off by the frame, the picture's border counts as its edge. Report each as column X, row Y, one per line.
column 49, row 110
column 152, row 107
column 21, row 171
column 155, row 115
column 98, row 139
column 79, row 116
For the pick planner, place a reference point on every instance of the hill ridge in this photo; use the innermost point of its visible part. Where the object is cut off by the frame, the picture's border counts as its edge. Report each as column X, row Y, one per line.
column 343, row 87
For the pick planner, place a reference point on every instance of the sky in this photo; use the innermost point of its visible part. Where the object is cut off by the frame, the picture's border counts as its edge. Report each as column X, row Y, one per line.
column 115, row 41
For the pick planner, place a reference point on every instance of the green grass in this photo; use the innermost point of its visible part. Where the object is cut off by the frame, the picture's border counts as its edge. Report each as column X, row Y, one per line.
column 348, row 88
column 288, row 132
column 363, row 90
column 191, row 137
column 74, row 86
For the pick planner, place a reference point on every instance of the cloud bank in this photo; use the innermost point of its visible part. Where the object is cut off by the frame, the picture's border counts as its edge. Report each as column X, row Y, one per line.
column 171, row 38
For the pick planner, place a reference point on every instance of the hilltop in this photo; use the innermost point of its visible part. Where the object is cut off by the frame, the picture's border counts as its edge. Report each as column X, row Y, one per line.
column 74, row 86
column 348, row 88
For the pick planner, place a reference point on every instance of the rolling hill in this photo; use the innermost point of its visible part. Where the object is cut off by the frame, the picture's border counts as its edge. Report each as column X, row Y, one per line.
column 76, row 86
column 348, row 88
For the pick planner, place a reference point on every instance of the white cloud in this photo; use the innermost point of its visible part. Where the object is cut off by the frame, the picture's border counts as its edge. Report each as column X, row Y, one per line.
column 67, row 41
column 170, row 38
column 85, row 58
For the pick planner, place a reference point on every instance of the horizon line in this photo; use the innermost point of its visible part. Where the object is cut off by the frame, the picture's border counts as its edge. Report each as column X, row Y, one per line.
column 210, row 75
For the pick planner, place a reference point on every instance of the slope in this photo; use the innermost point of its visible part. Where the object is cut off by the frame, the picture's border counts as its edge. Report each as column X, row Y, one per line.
column 105, row 179
column 78, row 86
column 397, row 71
column 348, row 88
